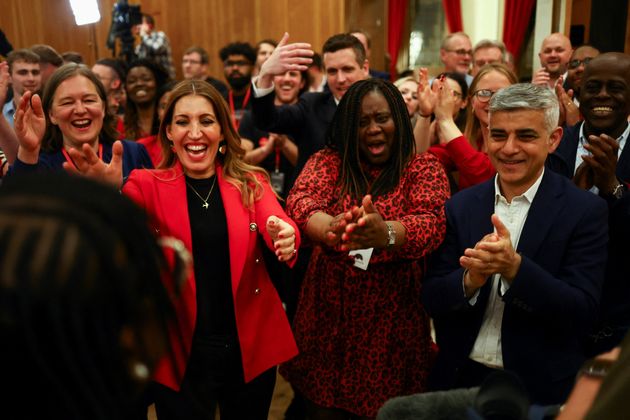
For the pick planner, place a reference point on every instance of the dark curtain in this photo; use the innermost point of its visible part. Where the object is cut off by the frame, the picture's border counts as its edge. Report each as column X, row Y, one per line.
column 397, row 11
column 515, row 22
column 453, row 12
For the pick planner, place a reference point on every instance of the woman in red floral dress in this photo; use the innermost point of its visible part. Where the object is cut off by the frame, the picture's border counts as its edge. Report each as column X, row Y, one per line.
column 363, row 334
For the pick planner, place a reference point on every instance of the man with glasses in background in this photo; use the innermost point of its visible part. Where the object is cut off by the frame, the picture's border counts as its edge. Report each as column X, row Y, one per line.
column 487, row 51
column 195, row 66
column 456, row 54
column 579, row 59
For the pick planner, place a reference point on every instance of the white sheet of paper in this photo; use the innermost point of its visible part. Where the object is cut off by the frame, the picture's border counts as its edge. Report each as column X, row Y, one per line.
column 361, row 257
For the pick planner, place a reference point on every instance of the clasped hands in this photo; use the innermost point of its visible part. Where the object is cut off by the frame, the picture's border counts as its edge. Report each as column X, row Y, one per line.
column 283, row 236
column 359, row 228
column 493, row 254
column 599, row 168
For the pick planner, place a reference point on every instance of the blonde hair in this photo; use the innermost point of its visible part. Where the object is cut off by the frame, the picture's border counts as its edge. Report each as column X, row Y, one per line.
column 398, row 83
column 472, row 131
column 243, row 176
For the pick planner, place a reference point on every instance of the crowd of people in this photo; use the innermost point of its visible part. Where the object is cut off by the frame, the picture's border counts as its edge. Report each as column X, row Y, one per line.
column 382, row 245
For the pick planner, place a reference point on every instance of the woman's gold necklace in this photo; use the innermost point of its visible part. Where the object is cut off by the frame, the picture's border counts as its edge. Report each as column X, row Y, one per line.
column 205, row 201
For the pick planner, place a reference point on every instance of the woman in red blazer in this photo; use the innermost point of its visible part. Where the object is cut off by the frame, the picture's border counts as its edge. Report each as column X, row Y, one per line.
column 232, row 330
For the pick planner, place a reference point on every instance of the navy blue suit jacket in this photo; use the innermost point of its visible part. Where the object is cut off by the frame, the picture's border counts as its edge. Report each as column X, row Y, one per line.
column 614, row 317
column 551, row 302
column 307, row 121
column 135, row 156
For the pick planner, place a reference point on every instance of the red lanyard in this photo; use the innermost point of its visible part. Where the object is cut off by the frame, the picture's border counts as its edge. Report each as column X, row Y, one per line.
column 277, row 158
column 71, row 162
column 231, row 101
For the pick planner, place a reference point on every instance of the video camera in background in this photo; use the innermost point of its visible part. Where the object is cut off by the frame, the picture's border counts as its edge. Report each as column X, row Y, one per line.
column 124, row 18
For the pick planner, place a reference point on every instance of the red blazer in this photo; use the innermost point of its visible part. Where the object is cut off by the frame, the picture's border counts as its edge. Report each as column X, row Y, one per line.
column 264, row 332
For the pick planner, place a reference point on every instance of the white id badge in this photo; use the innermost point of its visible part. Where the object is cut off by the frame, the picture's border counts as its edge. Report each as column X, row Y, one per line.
column 361, row 257
column 277, row 181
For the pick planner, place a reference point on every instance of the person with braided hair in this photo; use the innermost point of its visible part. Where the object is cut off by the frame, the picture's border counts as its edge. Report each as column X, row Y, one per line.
column 362, row 331
column 83, row 312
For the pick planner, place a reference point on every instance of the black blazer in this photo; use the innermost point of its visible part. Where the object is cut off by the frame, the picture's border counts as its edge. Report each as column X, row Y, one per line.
column 306, row 121
column 614, row 316
column 552, row 301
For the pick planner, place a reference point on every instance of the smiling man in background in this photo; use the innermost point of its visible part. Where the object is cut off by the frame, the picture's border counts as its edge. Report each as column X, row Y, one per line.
column 555, row 53
column 456, row 54
column 595, row 154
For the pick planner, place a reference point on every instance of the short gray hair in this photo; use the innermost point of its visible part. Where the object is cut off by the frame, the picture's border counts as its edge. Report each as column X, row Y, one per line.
column 446, row 42
column 528, row 96
column 490, row 43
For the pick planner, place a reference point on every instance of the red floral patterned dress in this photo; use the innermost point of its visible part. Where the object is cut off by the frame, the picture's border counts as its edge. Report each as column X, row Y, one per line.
column 364, row 336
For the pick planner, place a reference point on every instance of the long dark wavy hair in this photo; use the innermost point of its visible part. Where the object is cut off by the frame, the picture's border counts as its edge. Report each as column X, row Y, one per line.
column 53, row 138
column 343, row 136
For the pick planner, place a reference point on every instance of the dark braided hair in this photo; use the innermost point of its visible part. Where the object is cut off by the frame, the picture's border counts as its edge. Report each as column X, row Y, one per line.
column 81, row 299
column 343, row 136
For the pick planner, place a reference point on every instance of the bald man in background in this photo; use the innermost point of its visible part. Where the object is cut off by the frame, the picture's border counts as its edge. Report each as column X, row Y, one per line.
column 555, row 53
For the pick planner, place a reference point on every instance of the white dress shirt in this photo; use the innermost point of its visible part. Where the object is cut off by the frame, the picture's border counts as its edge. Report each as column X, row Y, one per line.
column 487, row 348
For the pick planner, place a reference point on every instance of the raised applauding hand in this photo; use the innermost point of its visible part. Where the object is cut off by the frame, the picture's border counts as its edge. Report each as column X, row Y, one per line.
column 493, row 254
column 427, row 95
column 602, row 161
column 569, row 112
column 30, row 126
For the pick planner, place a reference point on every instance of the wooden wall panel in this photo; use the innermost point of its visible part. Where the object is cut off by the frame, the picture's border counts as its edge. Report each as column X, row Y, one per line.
column 371, row 16
column 581, row 15
column 27, row 22
column 208, row 23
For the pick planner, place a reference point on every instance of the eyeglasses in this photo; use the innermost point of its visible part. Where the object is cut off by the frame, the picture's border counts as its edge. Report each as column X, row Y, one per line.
column 457, row 94
column 238, row 63
column 574, row 64
column 484, row 95
column 191, row 61
column 461, row 52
